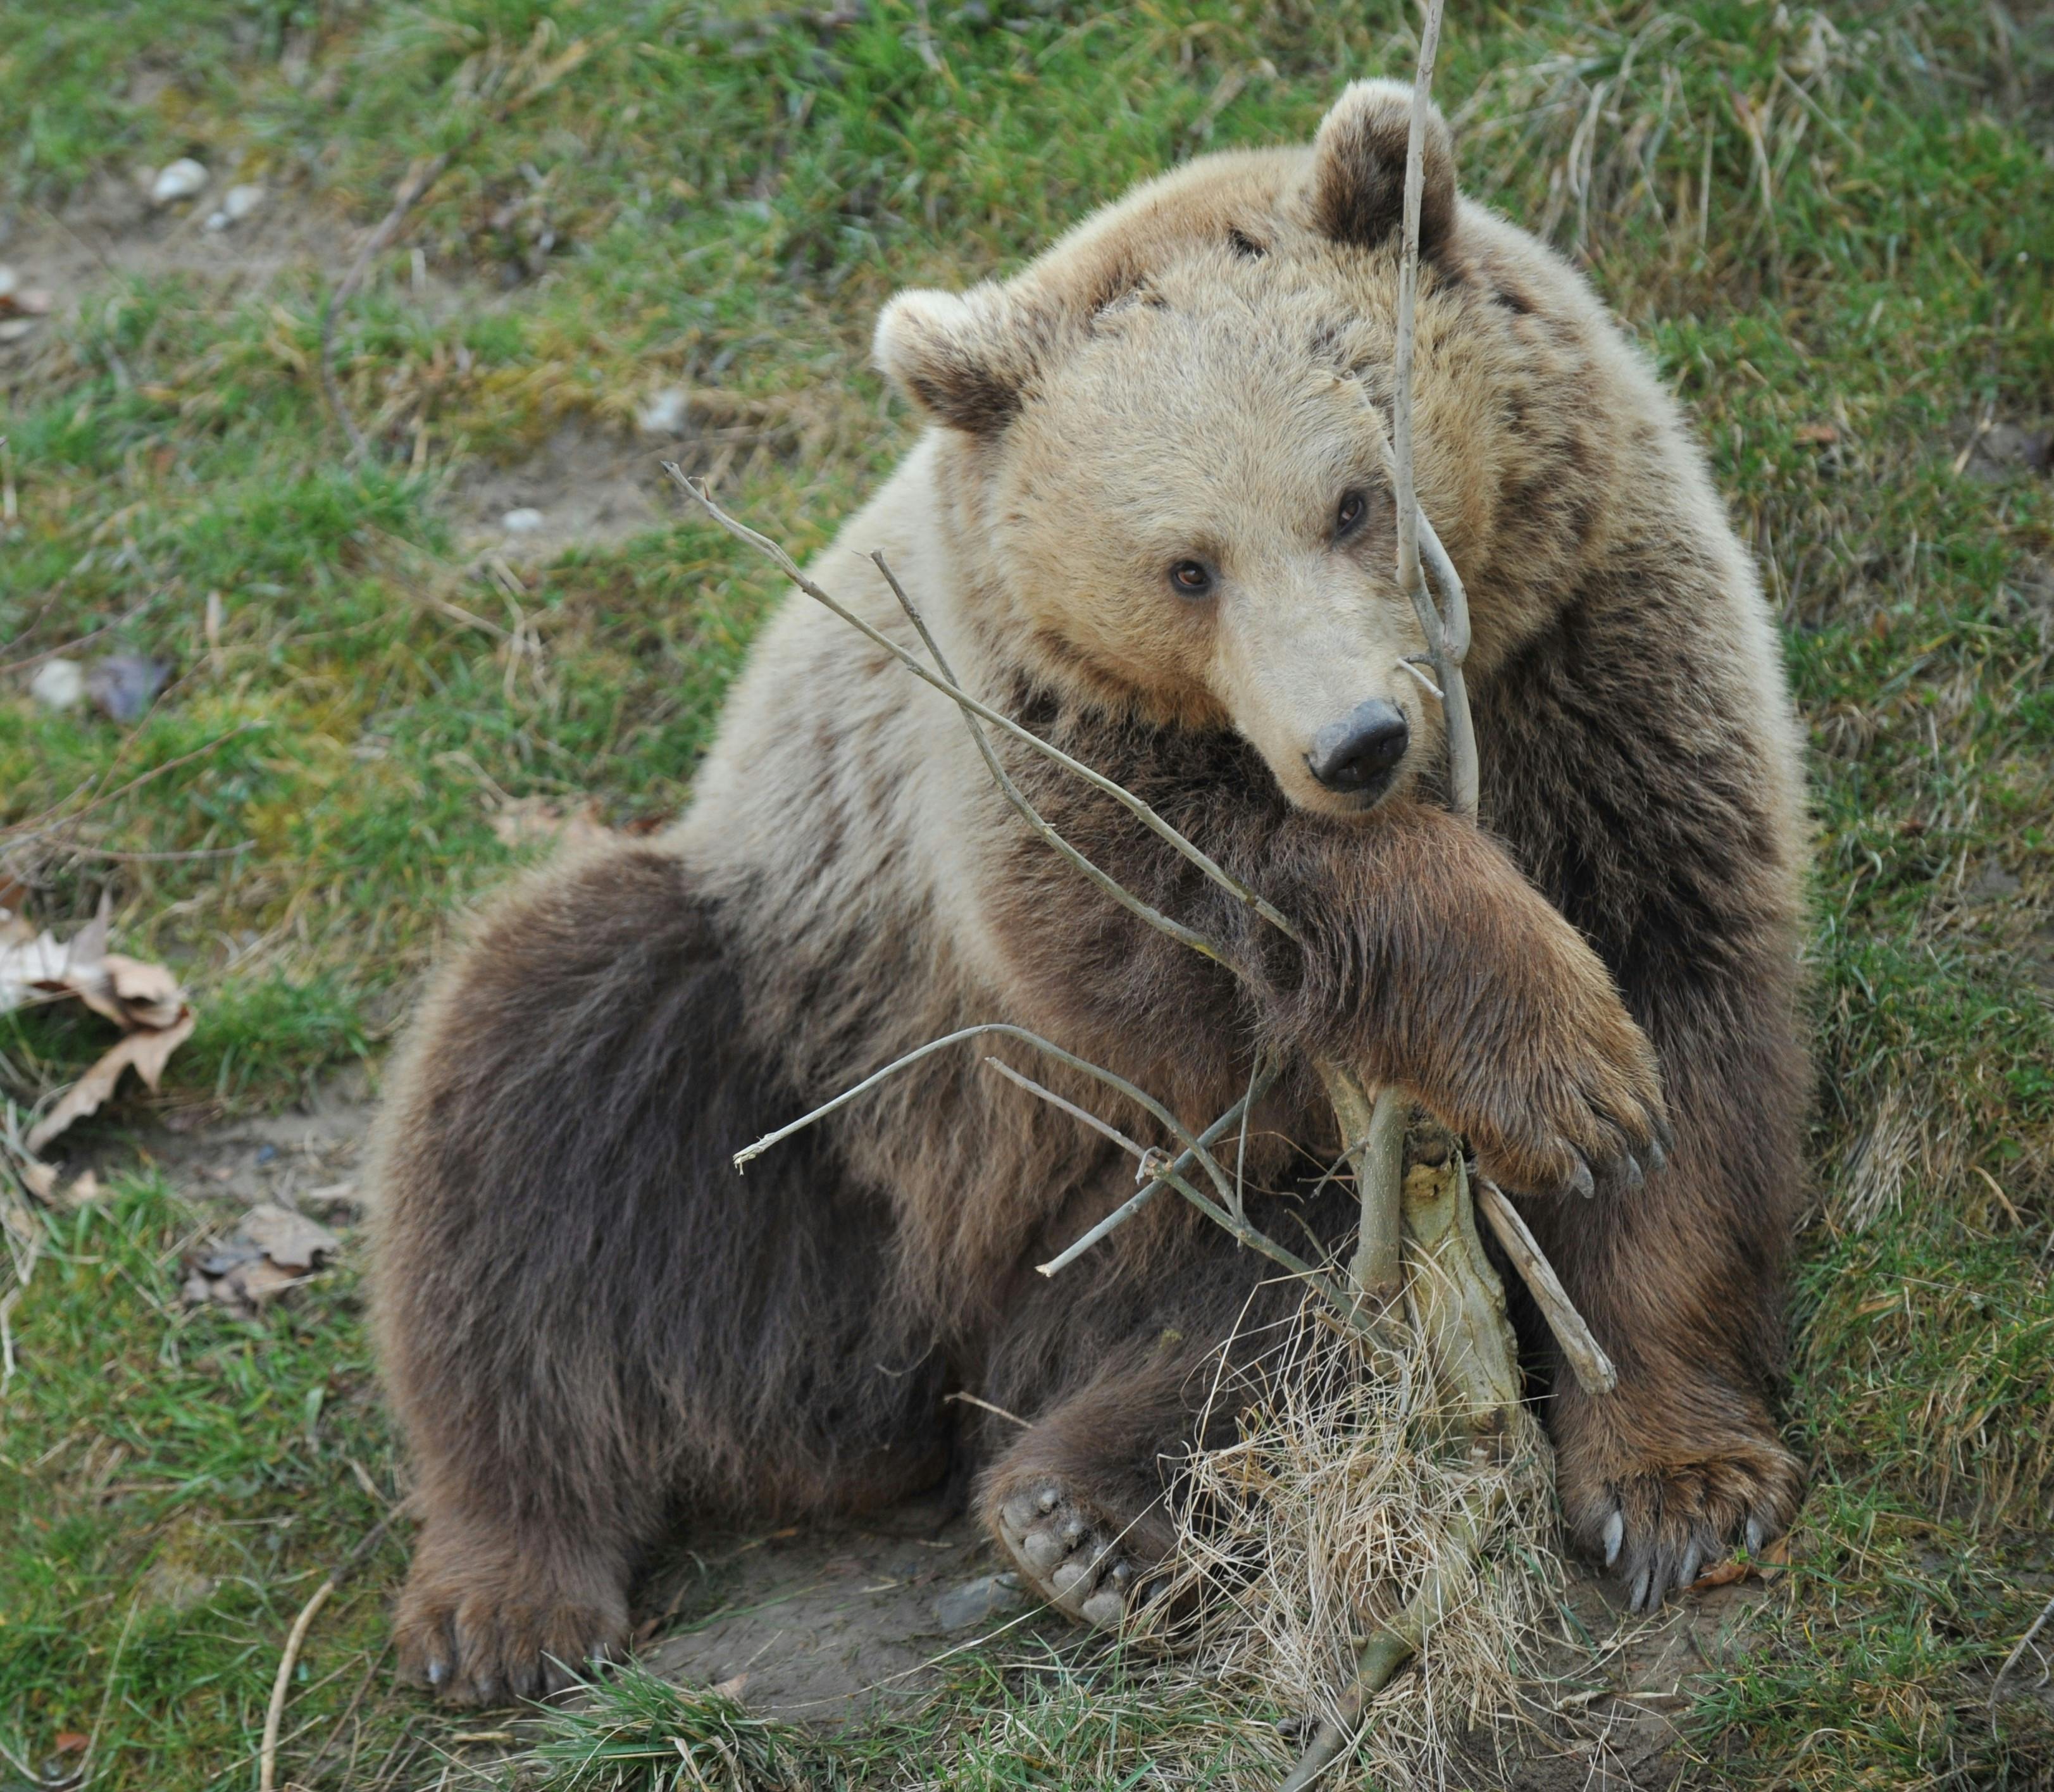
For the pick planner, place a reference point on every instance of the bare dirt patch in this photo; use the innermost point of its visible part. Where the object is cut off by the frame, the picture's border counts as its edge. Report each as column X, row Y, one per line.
column 833, row 1625
column 586, row 485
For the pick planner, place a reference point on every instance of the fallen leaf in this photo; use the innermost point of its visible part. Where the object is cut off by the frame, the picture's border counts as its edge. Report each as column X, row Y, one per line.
column 245, row 1287
column 145, row 1052
column 272, row 1250
column 71, row 1742
column 289, row 1239
column 732, row 1688
column 1815, row 435
column 148, row 994
column 40, row 1179
column 1759, row 1566
column 84, row 1191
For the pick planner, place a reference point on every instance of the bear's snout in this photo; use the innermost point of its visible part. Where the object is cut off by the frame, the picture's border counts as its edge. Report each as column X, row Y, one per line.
column 1356, row 755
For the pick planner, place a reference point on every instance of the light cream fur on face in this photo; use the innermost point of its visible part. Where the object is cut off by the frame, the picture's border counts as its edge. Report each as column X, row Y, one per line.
column 1208, row 418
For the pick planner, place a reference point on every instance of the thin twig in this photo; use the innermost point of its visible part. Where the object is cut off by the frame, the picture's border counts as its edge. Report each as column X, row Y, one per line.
column 1105, row 1128
column 267, row 1758
column 2016, row 1656
column 1005, row 1030
column 1018, row 798
column 1159, row 1178
column 1594, row 1370
column 1120, row 793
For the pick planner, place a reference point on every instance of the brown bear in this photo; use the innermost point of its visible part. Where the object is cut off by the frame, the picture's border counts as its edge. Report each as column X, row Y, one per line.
column 1153, row 519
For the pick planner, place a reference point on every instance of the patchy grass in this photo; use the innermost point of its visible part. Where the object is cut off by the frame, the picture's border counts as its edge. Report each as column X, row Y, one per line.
column 1831, row 233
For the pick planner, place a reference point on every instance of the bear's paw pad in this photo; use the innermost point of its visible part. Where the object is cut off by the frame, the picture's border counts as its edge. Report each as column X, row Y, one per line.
column 1069, row 1553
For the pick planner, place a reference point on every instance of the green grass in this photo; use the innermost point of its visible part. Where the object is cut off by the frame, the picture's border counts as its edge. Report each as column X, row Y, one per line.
column 677, row 197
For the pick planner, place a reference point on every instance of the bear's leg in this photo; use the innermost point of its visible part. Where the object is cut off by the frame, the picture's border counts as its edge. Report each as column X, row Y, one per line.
column 587, row 1318
column 1681, row 1280
column 1124, row 1363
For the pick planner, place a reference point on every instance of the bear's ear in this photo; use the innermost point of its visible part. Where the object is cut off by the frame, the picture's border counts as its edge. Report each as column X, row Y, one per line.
column 1355, row 190
column 965, row 360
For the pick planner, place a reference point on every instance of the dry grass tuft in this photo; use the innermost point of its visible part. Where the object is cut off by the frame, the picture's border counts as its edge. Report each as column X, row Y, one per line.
column 1348, row 1488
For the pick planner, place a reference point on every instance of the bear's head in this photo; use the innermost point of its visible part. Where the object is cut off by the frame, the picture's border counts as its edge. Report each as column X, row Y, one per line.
column 1168, row 478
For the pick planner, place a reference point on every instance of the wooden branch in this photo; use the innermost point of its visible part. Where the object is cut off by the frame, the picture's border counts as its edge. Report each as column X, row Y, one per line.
column 1013, row 794
column 1594, row 1370
column 1373, row 1135
column 1159, row 1177
column 1119, row 792
column 1395, row 1643
column 1005, row 1029
column 1146, row 1155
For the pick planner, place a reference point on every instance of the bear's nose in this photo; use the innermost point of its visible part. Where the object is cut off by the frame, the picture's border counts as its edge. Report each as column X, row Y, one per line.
column 1353, row 753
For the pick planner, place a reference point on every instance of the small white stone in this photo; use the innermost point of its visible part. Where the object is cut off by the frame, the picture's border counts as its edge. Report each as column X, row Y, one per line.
column 217, row 221
column 180, row 180
column 239, row 203
column 59, row 685
column 522, row 521
column 8, row 281
column 665, row 412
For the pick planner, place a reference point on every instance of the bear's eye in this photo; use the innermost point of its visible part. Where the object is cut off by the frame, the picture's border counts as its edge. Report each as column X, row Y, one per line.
column 1193, row 577
column 1353, row 507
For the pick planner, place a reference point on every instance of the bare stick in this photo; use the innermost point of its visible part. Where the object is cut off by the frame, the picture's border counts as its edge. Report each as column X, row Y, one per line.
column 1120, row 793
column 1408, row 287
column 1595, row 1371
column 1104, row 1128
column 1395, row 1643
column 2018, row 1655
column 267, row 1759
column 1159, row 1179
column 1018, row 798
column 267, row 1768
column 1373, row 1136
column 1005, row 1030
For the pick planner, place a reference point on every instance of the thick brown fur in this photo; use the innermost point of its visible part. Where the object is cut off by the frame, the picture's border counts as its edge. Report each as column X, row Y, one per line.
column 592, row 1325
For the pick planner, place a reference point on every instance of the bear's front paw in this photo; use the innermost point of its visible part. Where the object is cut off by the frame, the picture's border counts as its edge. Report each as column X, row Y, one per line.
column 1659, row 1527
column 1571, row 1097
column 487, row 1628
column 1082, row 1561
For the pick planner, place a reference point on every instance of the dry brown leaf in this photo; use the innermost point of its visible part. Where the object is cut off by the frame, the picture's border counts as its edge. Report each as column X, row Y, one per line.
column 149, row 995
column 732, row 1689
column 145, row 1052
column 83, row 1192
column 1815, row 435
column 41, row 1180
column 289, row 1239
column 1759, row 1566
column 243, row 1287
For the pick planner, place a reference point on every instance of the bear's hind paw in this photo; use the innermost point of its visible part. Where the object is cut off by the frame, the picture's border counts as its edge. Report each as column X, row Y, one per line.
column 1071, row 1558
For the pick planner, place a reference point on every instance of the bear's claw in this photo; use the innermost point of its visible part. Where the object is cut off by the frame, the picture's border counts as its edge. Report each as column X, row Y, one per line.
column 1075, row 1563
column 1661, row 1530
column 489, row 1629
